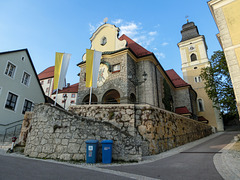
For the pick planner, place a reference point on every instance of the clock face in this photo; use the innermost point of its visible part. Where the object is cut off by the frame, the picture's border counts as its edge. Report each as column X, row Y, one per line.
column 102, row 74
column 191, row 48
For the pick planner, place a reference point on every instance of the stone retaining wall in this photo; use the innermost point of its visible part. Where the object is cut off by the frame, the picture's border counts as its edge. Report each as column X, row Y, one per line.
column 58, row 134
column 159, row 129
column 136, row 131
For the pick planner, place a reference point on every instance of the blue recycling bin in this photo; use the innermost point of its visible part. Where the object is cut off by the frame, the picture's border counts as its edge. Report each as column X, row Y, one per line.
column 107, row 151
column 92, row 148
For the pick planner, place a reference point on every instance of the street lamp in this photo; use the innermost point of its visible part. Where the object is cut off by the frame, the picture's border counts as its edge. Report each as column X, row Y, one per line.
column 65, row 99
column 135, row 81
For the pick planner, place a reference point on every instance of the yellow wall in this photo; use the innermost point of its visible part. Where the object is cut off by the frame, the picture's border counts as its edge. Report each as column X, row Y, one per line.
column 209, row 112
column 111, row 40
column 232, row 16
column 111, row 33
column 190, row 73
column 237, row 51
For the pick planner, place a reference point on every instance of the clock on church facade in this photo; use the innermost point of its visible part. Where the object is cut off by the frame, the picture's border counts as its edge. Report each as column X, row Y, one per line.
column 102, row 75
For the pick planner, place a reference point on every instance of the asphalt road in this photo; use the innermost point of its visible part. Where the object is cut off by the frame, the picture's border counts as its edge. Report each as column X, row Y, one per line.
column 15, row 168
column 193, row 164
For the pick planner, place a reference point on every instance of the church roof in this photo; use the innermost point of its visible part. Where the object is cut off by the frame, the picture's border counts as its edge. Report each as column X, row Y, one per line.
column 135, row 47
column 189, row 31
column 70, row 89
column 182, row 110
column 47, row 73
column 176, row 79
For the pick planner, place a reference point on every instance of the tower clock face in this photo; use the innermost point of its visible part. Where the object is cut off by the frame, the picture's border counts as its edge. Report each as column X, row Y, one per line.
column 102, row 74
column 191, row 48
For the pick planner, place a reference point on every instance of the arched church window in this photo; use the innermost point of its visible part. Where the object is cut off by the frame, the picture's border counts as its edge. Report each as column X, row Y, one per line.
column 200, row 105
column 193, row 57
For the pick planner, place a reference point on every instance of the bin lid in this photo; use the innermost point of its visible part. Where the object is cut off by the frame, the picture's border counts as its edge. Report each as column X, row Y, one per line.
column 92, row 141
column 107, row 141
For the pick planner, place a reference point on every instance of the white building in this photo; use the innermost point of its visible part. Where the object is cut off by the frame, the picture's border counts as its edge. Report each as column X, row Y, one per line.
column 19, row 87
column 46, row 79
column 65, row 97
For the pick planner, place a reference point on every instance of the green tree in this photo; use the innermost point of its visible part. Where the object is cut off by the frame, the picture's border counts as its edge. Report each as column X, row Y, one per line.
column 167, row 99
column 218, row 84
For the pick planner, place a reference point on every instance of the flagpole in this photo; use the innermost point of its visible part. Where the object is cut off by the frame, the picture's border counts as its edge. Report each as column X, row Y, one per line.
column 90, row 98
column 56, row 98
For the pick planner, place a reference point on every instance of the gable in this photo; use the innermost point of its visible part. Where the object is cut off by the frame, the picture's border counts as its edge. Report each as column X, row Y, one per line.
column 105, row 39
column 30, row 91
column 110, row 33
column 23, row 62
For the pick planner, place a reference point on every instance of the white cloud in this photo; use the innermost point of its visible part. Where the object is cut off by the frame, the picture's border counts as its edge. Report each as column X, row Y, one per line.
column 164, row 44
column 160, row 55
column 130, row 29
column 152, row 33
column 93, row 28
column 117, row 21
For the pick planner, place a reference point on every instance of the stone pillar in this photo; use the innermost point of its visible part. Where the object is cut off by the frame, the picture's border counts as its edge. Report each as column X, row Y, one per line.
column 25, row 128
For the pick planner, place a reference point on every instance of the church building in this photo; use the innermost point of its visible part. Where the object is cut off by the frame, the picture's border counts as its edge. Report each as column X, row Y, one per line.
column 193, row 50
column 131, row 74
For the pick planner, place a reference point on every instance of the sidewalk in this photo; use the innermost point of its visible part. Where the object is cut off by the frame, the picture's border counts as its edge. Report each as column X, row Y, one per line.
column 228, row 162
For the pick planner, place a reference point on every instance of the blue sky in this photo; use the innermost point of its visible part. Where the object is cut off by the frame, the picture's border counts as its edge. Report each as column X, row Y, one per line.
column 48, row 26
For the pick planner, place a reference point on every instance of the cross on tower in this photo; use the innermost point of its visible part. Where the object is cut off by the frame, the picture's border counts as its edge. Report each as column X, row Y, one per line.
column 187, row 18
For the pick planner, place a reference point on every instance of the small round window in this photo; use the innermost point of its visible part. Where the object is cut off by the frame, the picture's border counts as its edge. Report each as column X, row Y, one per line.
column 103, row 41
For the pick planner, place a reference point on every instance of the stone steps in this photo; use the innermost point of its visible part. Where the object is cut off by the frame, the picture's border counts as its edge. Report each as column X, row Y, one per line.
column 6, row 146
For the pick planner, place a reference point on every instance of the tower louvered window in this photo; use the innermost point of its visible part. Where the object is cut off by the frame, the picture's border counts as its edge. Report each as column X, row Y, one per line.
column 193, row 57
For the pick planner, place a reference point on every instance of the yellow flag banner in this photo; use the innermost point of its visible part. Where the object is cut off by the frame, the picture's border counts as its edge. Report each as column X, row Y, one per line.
column 89, row 67
column 57, row 69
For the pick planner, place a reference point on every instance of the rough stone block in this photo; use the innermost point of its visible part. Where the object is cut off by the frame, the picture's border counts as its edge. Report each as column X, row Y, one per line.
column 73, row 148
column 66, row 157
column 65, row 142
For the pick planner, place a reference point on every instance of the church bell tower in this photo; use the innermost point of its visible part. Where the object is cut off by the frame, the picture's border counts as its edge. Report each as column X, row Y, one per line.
column 193, row 50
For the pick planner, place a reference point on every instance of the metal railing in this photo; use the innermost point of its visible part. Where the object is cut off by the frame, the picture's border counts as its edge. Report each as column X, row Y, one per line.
column 14, row 132
column 12, row 129
column 11, row 123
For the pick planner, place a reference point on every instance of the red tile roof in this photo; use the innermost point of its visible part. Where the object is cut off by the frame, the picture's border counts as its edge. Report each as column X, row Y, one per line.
column 182, row 110
column 71, row 89
column 47, row 73
column 176, row 79
column 202, row 119
column 135, row 47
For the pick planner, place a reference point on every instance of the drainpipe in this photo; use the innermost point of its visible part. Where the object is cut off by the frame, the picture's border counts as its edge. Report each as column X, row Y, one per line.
column 157, row 86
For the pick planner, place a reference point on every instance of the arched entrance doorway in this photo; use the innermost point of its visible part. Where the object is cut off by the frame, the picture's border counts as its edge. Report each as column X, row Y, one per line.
column 93, row 99
column 111, row 97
